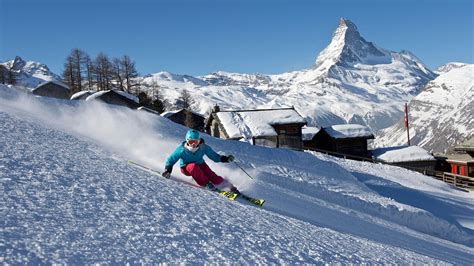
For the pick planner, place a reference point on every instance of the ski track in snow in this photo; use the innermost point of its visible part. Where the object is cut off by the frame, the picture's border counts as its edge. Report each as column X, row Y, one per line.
column 68, row 199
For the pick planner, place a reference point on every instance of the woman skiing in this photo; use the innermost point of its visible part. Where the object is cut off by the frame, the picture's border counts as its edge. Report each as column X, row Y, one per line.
column 191, row 153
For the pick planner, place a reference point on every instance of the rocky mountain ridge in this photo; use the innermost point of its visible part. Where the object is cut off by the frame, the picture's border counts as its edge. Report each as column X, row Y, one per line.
column 441, row 116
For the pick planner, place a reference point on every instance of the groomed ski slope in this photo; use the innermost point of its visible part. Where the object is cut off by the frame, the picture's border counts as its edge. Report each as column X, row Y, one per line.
column 69, row 196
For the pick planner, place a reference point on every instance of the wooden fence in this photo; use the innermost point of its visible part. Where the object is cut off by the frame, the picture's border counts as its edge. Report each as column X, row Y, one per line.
column 460, row 181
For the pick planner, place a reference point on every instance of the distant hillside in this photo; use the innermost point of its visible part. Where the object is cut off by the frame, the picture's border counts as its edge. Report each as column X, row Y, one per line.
column 441, row 116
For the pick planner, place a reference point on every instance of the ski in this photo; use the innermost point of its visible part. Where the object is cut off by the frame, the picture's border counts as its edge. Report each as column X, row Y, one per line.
column 226, row 194
column 229, row 194
column 255, row 201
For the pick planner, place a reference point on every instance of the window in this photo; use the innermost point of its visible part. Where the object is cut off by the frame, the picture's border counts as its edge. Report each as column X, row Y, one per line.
column 459, row 169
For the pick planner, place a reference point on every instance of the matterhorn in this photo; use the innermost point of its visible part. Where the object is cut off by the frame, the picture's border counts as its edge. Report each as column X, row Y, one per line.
column 351, row 81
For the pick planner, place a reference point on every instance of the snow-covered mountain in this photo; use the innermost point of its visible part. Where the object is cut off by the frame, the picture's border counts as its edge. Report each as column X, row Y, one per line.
column 30, row 74
column 352, row 80
column 68, row 196
column 442, row 115
column 448, row 67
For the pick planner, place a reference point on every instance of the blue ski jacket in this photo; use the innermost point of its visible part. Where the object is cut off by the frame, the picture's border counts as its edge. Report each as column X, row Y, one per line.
column 187, row 156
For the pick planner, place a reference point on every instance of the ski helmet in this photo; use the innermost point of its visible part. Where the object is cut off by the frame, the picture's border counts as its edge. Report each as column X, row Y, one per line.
column 192, row 134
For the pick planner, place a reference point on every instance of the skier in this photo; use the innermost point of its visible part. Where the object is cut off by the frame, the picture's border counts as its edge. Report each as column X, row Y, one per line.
column 191, row 153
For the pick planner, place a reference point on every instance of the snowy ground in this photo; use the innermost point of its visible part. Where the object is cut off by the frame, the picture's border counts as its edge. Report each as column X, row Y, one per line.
column 68, row 196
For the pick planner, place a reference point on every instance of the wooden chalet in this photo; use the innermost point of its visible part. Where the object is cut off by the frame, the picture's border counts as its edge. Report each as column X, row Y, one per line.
column 116, row 97
column 350, row 139
column 462, row 163
column 53, row 89
column 410, row 157
column 187, row 118
column 264, row 127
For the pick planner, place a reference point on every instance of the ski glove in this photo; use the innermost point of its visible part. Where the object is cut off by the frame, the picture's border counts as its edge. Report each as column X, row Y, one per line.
column 227, row 159
column 167, row 173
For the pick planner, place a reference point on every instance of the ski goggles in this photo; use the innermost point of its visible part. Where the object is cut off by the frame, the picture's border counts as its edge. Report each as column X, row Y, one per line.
column 193, row 142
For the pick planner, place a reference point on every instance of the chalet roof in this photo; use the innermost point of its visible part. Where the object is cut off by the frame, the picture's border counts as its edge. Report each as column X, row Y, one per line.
column 460, row 158
column 143, row 108
column 467, row 145
column 349, row 131
column 59, row 83
column 119, row 92
column 309, row 132
column 167, row 114
column 257, row 123
column 402, row 154
column 82, row 94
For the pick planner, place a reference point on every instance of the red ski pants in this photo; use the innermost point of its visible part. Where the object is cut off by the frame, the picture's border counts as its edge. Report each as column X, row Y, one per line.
column 201, row 173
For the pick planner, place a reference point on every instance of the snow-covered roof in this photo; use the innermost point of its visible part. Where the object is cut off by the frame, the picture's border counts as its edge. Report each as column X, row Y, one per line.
column 172, row 112
column 127, row 95
column 169, row 113
column 402, row 154
column 122, row 93
column 349, row 131
column 460, row 158
column 257, row 123
column 143, row 108
column 81, row 94
column 309, row 132
column 96, row 95
column 59, row 83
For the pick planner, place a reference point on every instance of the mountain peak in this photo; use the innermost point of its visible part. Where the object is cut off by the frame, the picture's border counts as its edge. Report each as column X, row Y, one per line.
column 18, row 63
column 345, row 33
column 347, row 48
column 347, row 26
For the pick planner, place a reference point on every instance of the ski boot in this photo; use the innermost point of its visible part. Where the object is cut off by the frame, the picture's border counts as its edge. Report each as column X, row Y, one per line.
column 235, row 190
column 211, row 186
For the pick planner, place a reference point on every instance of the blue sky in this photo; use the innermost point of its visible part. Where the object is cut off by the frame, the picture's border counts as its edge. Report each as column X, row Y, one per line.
column 198, row 37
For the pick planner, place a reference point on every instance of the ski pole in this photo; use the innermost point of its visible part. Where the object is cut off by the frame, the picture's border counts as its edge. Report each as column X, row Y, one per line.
column 243, row 170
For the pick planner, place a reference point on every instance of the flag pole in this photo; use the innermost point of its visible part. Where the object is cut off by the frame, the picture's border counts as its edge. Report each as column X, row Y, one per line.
column 406, row 123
